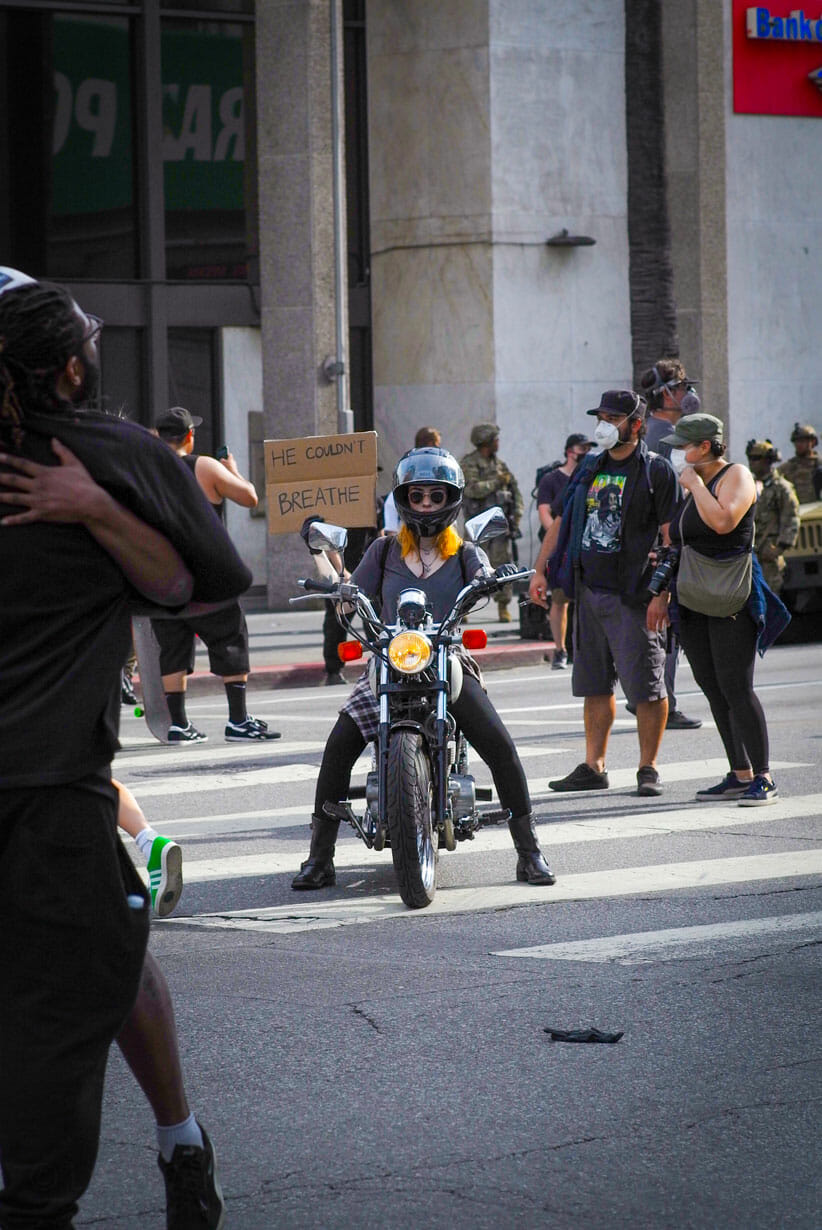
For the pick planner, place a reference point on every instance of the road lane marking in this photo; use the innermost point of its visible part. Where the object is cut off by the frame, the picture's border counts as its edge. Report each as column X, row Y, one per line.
column 277, row 775
column 696, row 817
column 640, row 947
column 314, row 914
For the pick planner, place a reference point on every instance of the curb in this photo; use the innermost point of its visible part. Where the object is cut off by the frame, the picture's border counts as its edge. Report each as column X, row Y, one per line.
column 312, row 674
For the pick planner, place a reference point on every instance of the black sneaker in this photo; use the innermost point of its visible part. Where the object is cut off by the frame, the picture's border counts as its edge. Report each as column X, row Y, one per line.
column 677, row 720
column 194, row 1199
column 186, row 734
column 648, row 781
column 250, row 730
column 127, row 694
column 731, row 787
column 583, row 777
column 560, row 662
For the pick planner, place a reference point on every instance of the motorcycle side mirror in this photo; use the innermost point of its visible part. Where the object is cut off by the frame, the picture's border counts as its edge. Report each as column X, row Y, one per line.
column 488, row 524
column 325, row 537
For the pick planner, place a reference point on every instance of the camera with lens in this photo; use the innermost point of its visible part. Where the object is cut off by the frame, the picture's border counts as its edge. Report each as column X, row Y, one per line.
column 667, row 564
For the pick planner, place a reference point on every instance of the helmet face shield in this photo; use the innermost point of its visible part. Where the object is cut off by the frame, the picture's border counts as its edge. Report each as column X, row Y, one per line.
column 425, row 467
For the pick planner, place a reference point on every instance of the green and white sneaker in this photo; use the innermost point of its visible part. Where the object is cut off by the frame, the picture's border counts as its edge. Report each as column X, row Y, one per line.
column 165, row 875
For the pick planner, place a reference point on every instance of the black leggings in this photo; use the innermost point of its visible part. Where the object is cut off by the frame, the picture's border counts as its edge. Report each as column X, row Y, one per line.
column 483, row 728
column 722, row 654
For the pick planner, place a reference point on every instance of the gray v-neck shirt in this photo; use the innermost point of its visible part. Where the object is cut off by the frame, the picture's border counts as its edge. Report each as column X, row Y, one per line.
column 441, row 588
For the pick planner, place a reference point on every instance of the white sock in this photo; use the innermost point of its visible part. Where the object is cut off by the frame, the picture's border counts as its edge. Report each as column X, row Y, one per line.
column 144, row 839
column 185, row 1133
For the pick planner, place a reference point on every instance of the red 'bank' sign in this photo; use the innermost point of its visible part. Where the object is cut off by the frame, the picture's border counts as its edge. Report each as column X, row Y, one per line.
column 777, row 58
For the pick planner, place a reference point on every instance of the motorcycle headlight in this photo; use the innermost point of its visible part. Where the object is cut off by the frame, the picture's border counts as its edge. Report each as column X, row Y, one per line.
column 410, row 652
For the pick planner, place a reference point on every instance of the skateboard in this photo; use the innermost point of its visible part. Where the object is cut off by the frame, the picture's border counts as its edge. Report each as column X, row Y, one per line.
column 154, row 707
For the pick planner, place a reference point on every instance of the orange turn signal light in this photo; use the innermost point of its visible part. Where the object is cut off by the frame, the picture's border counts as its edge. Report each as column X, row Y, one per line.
column 475, row 638
column 349, row 651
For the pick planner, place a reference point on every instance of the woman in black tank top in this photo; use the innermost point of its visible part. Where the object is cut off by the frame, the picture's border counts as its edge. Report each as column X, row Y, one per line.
column 716, row 520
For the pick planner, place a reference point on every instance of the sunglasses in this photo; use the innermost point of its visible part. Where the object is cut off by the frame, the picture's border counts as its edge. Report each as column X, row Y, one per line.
column 95, row 326
column 437, row 495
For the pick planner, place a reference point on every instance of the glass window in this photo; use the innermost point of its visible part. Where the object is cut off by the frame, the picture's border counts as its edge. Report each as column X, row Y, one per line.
column 208, row 159
column 210, row 6
column 122, row 373
column 66, row 162
column 192, row 382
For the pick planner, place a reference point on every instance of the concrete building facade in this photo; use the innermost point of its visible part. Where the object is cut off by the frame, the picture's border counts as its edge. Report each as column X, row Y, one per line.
column 434, row 196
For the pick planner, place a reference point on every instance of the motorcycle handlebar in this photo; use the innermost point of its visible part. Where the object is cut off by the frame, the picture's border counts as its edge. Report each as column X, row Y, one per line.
column 312, row 586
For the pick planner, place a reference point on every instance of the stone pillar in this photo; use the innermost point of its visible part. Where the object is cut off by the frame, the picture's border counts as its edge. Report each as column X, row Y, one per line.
column 430, row 207
column 694, row 41
column 295, row 161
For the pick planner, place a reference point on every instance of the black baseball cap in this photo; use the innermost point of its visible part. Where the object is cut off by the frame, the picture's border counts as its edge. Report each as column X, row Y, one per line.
column 177, row 421
column 576, row 439
column 621, row 401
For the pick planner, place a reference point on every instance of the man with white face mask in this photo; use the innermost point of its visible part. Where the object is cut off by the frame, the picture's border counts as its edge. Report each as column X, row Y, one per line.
column 615, row 506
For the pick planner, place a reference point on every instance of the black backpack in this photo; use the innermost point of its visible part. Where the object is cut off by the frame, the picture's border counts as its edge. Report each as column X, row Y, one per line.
column 540, row 474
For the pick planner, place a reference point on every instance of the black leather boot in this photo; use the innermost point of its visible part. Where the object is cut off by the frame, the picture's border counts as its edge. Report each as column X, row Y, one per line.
column 318, row 869
column 531, row 865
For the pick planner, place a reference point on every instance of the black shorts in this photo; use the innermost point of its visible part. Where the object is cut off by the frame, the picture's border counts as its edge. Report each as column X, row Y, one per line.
column 224, row 633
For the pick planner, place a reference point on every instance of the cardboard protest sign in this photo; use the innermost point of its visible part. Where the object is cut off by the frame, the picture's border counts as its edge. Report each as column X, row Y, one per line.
column 334, row 477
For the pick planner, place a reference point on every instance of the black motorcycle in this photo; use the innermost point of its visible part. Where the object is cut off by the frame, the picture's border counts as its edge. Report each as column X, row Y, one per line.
column 420, row 794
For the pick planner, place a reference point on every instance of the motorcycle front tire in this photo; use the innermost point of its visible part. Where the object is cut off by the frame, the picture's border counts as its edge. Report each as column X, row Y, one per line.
column 409, row 812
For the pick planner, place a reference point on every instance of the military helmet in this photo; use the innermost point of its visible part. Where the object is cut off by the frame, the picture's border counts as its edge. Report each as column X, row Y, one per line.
column 762, row 450
column 424, row 466
column 483, row 433
column 804, row 431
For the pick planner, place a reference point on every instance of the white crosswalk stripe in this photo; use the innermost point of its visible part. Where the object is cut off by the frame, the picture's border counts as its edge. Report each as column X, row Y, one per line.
column 626, row 881
column 643, row 946
column 172, row 779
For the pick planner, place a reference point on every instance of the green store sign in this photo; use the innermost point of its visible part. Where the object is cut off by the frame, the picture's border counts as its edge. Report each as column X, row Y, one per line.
column 203, row 124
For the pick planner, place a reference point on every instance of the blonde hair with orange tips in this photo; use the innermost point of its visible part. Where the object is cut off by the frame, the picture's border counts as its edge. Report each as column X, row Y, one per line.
column 447, row 542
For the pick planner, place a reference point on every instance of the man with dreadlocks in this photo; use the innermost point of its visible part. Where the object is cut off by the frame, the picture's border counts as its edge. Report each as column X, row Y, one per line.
column 73, row 912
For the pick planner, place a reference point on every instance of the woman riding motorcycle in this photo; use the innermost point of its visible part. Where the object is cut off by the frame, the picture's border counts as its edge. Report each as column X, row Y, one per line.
column 429, row 554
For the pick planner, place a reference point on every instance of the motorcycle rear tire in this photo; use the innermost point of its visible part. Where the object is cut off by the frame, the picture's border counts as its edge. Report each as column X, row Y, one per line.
column 409, row 808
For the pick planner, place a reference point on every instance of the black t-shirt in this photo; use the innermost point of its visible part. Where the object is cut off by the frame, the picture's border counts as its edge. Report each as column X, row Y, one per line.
column 65, row 605
column 601, row 537
column 551, row 489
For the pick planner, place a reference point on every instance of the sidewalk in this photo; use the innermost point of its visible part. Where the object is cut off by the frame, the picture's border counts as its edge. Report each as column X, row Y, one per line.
column 286, row 650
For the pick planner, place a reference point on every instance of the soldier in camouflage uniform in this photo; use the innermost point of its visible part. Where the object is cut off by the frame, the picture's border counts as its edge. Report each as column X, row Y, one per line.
column 488, row 481
column 776, row 517
column 801, row 468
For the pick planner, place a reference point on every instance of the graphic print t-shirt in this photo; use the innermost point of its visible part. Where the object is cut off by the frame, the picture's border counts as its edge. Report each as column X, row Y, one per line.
column 601, row 539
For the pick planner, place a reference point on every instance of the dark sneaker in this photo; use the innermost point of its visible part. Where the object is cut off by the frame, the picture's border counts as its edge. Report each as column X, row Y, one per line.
column 165, row 875
column 251, row 730
column 186, row 734
column 759, row 792
column 194, row 1199
column 648, row 781
column 731, row 787
column 583, row 777
column 560, row 662
column 677, row 720
column 127, row 694
column 334, row 679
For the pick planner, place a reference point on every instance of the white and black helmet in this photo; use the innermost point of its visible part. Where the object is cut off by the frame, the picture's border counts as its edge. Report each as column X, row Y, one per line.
column 428, row 466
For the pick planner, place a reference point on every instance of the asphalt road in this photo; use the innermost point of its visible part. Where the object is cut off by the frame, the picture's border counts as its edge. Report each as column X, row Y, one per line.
column 361, row 1065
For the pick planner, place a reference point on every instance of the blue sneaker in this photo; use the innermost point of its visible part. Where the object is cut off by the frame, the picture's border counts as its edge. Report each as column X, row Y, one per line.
column 759, row 792
column 731, row 787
